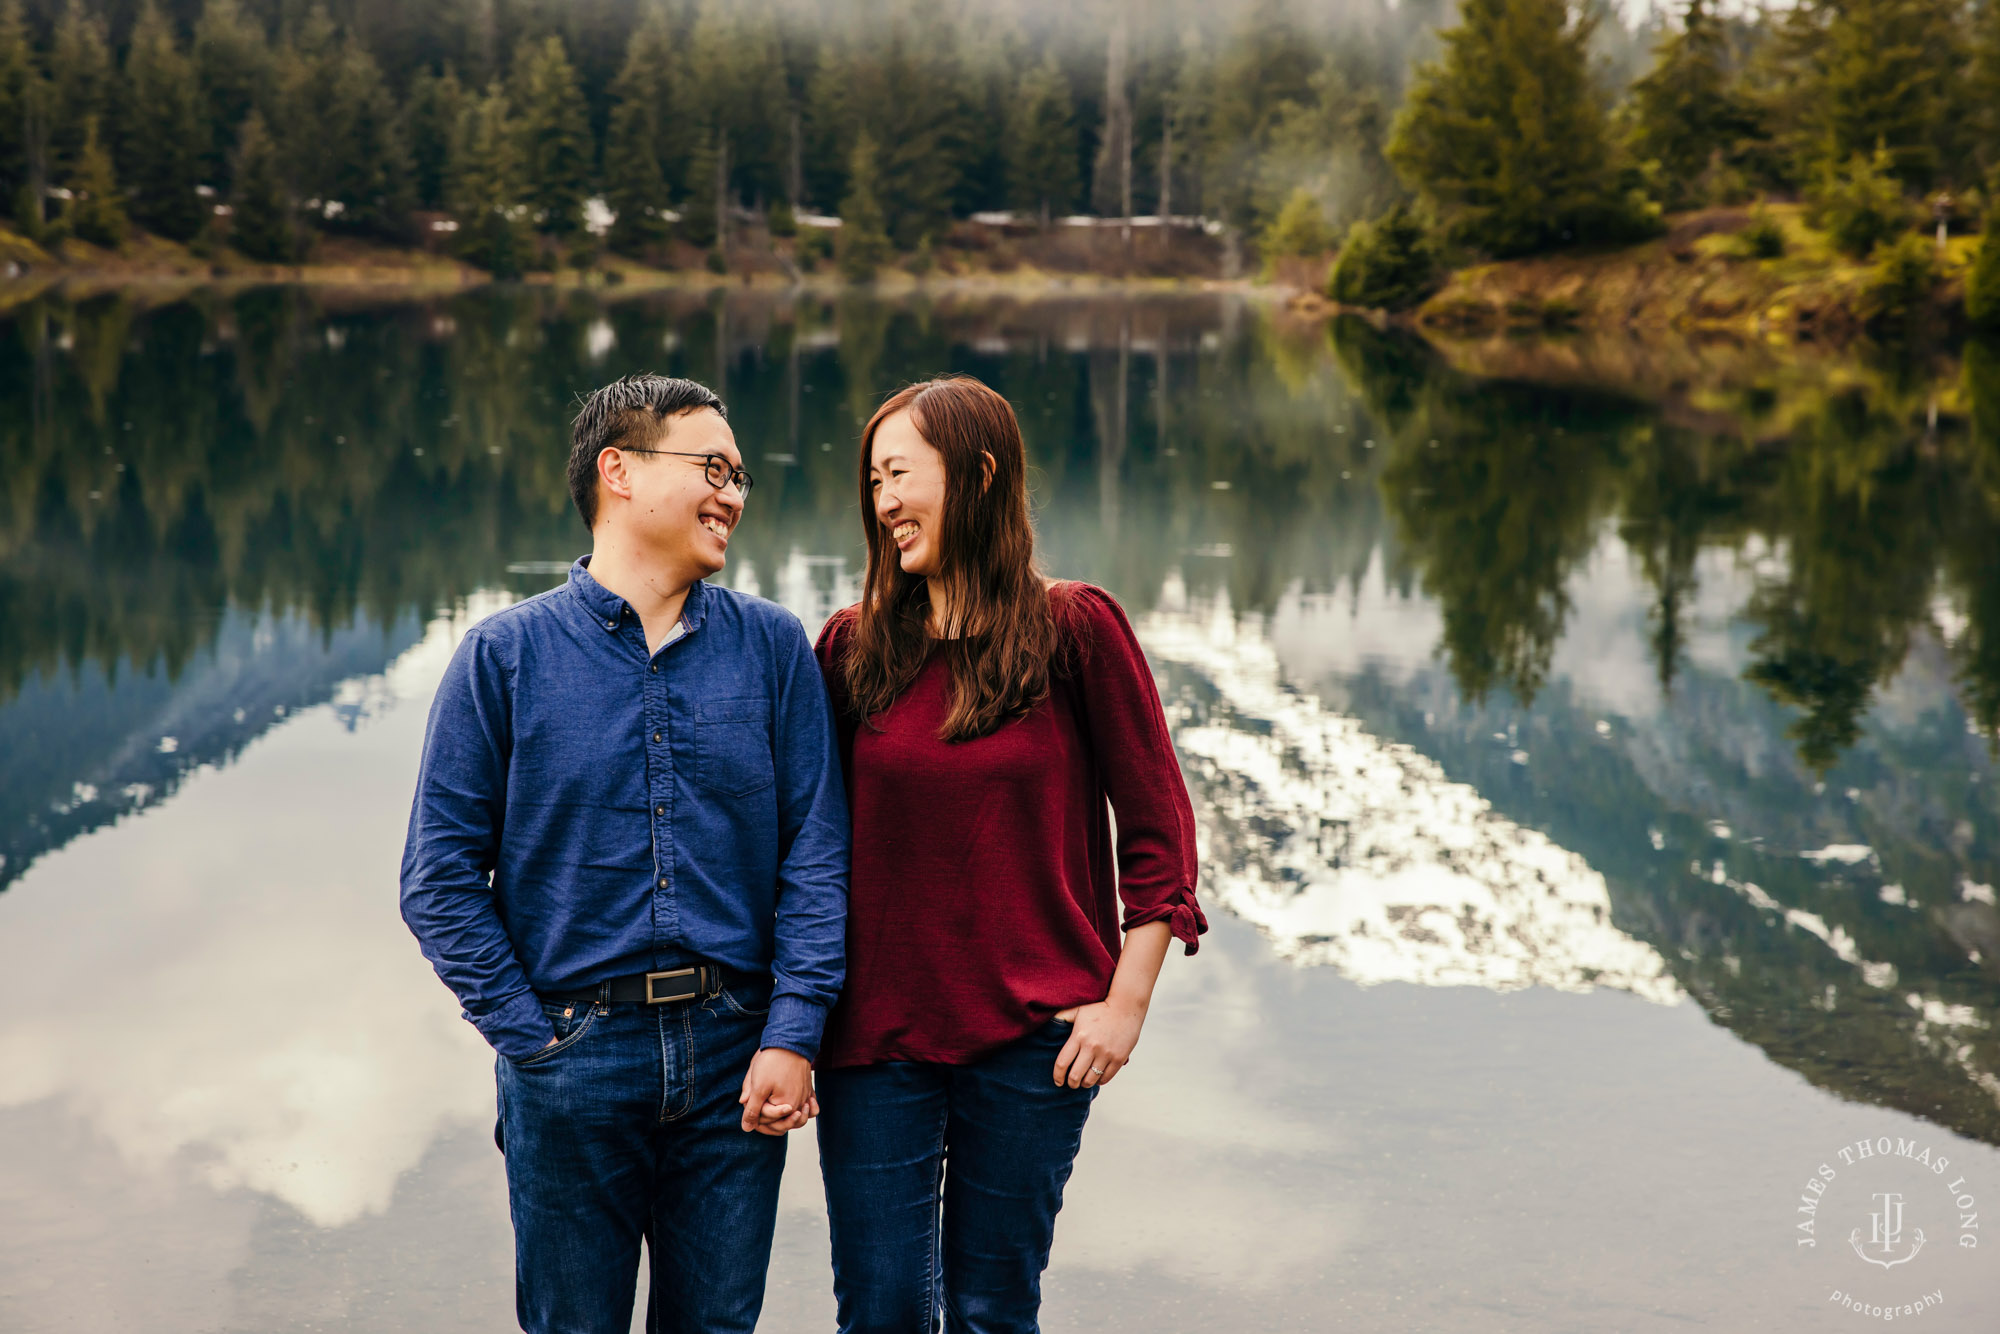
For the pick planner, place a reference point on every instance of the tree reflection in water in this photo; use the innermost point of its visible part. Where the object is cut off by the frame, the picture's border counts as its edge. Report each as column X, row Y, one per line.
column 216, row 510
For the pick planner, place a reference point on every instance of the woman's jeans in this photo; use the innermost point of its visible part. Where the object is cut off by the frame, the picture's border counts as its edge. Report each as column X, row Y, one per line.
column 627, row 1128
column 942, row 1185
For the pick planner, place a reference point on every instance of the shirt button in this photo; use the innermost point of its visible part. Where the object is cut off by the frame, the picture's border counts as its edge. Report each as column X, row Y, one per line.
column 611, row 624
column 659, row 810
column 656, row 667
column 663, row 882
column 656, row 736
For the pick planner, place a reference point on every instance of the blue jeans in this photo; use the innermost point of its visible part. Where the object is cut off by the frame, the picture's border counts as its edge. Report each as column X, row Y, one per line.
column 629, row 1128
column 942, row 1187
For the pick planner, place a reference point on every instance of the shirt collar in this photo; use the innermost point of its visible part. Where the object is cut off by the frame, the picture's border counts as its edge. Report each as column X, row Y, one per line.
column 608, row 609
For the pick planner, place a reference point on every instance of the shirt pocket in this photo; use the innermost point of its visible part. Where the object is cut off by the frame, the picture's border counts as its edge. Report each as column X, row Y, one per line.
column 732, row 746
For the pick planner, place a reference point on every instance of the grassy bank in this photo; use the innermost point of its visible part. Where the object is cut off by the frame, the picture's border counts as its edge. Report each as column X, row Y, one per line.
column 1701, row 277
column 1005, row 258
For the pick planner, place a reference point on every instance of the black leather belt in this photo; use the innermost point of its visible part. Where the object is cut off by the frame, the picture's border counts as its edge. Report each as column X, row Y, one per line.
column 675, row 984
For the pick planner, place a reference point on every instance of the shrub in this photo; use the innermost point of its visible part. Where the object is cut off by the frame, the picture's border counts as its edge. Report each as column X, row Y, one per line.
column 96, row 214
column 815, row 245
column 1905, row 272
column 716, row 261
column 1861, row 205
column 1764, row 237
column 783, row 221
column 1390, row 264
column 1300, row 228
column 496, row 242
column 1982, row 284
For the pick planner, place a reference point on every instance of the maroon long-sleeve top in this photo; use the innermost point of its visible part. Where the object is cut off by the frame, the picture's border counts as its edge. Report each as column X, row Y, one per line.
column 985, row 889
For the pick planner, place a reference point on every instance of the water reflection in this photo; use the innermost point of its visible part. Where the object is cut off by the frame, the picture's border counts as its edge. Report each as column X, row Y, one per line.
column 1692, row 702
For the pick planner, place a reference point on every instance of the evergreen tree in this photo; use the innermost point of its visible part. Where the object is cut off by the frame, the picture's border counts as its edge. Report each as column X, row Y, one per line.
column 1300, row 228
column 1982, row 285
column 633, row 185
column 554, row 129
column 1263, row 69
column 1042, row 154
column 81, row 78
column 261, row 223
column 1861, row 205
column 17, row 75
column 162, row 146
column 863, row 246
column 367, row 167
column 486, row 187
column 307, row 75
column 635, row 179
column 1886, row 71
column 920, row 132
column 1391, row 264
column 1983, row 88
column 95, row 213
column 653, row 80
column 736, row 84
column 430, row 119
column 232, row 65
column 698, row 221
column 1686, row 111
column 1505, row 138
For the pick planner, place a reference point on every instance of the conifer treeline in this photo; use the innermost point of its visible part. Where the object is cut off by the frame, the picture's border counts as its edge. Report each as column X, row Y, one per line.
column 353, row 115
column 1866, row 109
column 1527, row 124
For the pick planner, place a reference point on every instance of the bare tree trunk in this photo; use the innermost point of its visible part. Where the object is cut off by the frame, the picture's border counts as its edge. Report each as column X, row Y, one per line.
column 481, row 43
column 1118, row 121
column 722, row 191
column 1167, row 177
column 795, row 175
column 35, row 140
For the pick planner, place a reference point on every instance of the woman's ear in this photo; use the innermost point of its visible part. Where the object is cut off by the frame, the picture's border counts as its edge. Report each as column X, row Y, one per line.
column 987, row 465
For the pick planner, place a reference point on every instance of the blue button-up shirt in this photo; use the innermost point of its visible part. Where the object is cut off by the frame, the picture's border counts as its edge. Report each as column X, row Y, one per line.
column 587, row 810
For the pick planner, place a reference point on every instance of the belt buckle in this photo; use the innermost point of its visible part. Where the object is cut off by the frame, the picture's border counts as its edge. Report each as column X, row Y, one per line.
column 653, row 997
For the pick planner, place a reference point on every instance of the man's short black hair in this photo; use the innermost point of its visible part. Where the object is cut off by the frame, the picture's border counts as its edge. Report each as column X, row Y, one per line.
column 627, row 414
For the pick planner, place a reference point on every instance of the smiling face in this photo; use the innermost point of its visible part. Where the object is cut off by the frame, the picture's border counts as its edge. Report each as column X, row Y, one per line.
column 664, row 503
column 907, row 478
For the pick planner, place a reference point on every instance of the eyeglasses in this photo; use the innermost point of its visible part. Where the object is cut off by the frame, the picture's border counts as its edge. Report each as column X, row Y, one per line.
column 719, row 470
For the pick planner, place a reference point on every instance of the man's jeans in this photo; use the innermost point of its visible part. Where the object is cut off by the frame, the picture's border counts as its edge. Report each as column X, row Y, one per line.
column 913, row 1238
column 627, row 1128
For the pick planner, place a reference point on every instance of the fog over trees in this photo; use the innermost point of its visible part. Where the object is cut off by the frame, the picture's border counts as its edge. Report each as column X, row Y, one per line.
column 1509, row 125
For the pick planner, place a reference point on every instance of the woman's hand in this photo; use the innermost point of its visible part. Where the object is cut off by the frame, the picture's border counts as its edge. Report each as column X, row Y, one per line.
column 1100, row 1043
column 1105, row 1033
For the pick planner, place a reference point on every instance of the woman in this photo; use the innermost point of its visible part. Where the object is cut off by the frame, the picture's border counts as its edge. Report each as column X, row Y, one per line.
column 985, row 716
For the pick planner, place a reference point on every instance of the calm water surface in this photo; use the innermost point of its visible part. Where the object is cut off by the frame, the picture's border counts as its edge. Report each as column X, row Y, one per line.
column 1596, row 790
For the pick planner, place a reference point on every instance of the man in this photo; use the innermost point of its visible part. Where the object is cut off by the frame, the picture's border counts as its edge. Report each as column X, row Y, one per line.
column 628, row 859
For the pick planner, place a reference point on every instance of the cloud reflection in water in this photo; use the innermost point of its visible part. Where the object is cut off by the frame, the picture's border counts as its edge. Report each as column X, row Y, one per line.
column 1360, row 853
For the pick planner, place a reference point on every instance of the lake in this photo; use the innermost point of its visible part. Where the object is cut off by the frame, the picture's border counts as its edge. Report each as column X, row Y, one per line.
column 1593, row 746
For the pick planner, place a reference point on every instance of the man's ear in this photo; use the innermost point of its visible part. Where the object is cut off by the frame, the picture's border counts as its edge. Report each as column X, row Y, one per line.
column 987, row 465
column 613, row 471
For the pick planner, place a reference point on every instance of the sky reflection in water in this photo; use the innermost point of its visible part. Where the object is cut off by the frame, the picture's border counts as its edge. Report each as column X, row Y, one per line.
column 1526, row 1007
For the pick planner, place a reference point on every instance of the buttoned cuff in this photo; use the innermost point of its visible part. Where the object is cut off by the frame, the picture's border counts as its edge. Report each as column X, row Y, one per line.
column 517, row 1029
column 795, row 1024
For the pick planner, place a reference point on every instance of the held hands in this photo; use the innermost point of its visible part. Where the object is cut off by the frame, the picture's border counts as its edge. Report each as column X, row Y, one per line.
column 1100, row 1044
column 778, row 1092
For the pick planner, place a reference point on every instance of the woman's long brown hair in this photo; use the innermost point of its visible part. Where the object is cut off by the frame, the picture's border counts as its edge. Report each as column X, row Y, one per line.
column 1003, row 633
